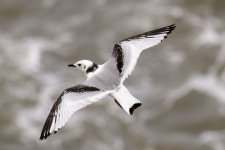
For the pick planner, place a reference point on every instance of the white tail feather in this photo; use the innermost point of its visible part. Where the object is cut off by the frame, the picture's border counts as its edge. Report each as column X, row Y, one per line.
column 127, row 101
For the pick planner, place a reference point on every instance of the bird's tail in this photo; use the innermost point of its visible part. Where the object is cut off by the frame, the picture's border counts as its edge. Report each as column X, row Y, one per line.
column 125, row 100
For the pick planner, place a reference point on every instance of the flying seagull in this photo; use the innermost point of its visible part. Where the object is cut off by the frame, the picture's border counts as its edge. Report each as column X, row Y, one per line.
column 105, row 79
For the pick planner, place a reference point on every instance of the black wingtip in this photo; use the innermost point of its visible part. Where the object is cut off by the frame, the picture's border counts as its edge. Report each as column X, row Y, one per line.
column 167, row 29
column 171, row 28
column 172, row 25
column 47, row 125
column 44, row 136
column 135, row 106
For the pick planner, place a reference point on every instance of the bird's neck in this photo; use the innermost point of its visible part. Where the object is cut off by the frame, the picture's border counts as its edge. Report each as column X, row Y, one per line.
column 92, row 70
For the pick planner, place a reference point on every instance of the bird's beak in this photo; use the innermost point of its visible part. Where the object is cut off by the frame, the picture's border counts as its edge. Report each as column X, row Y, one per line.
column 71, row 65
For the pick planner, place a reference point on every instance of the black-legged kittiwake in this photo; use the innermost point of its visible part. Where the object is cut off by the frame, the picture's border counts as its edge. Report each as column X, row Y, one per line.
column 105, row 79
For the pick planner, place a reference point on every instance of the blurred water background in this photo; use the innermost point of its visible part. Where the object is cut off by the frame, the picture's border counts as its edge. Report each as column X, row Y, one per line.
column 181, row 82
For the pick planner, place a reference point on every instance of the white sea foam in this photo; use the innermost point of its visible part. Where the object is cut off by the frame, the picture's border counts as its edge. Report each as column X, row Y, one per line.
column 214, row 139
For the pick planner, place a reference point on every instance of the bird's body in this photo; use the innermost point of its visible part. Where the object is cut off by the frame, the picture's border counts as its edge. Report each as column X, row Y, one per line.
column 103, row 80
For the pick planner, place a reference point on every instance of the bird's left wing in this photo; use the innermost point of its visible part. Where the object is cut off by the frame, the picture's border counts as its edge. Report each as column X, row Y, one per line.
column 126, row 52
column 71, row 100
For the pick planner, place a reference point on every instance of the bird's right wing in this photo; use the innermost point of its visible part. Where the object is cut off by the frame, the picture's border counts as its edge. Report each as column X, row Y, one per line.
column 71, row 100
column 126, row 52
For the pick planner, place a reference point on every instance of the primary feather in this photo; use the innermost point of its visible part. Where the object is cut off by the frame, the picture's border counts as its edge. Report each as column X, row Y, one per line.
column 71, row 100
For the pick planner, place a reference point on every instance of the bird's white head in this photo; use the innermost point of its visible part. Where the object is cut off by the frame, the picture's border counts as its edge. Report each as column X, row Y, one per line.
column 85, row 66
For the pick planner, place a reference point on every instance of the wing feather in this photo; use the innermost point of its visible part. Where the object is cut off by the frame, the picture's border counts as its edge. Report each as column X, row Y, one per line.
column 71, row 100
column 126, row 52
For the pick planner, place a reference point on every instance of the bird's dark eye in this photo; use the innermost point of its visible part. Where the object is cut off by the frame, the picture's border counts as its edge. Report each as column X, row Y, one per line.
column 79, row 65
